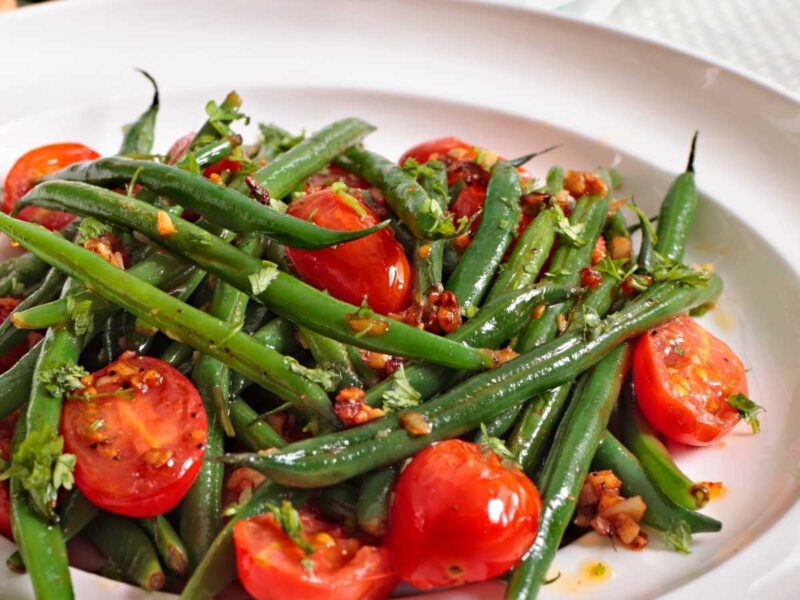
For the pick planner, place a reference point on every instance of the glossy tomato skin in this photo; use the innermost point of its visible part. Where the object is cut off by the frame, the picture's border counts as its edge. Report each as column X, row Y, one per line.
column 137, row 452
column 682, row 376
column 460, row 515
column 374, row 266
column 7, row 426
column 34, row 164
column 269, row 567
column 440, row 148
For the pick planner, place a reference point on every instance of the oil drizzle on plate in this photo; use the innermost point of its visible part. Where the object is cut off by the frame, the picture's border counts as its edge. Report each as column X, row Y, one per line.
column 591, row 573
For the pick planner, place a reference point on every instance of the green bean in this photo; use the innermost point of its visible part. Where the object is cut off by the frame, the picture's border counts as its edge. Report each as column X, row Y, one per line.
column 223, row 206
column 495, row 323
column 567, row 465
column 646, row 259
column 26, row 272
column 427, row 255
column 677, row 212
column 275, row 140
column 139, row 134
column 588, row 217
column 159, row 269
column 251, row 431
column 42, row 545
column 177, row 353
column 365, row 373
column 201, row 508
column 462, row 408
column 169, row 545
column 10, row 336
column 278, row 335
column 218, row 567
column 555, row 180
column 114, row 336
column 534, row 431
column 330, row 354
column 423, row 215
column 661, row 512
column 15, row 384
column 528, row 257
column 498, row 226
column 212, row 152
column 129, row 548
column 338, row 503
column 228, row 113
column 372, row 509
column 643, row 442
column 178, row 320
column 285, row 295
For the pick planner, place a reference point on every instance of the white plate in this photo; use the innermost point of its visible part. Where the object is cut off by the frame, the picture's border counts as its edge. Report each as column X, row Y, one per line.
column 516, row 81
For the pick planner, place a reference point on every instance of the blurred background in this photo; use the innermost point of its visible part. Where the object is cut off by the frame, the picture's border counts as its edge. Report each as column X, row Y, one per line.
column 758, row 36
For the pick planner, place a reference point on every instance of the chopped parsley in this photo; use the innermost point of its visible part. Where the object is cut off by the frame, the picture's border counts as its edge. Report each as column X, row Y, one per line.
column 307, row 564
column 494, row 444
column 42, row 469
column 260, row 280
column 327, row 379
column 401, row 394
column 91, row 229
column 61, row 379
column 747, row 409
column 289, row 520
column 678, row 537
column 572, row 233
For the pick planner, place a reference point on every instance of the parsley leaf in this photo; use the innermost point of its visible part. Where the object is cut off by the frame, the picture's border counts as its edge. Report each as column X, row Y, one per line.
column 325, row 378
column 747, row 409
column 91, row 229
column 61, row 379
column 42, row 469
column 494, row 444
column 572, row 233
column 260, row 280
column 401, row 394
column 81, row 315
column 678, row 537
column 289, row 520
column 670, row 270
column 644, row 220
column 220, row 118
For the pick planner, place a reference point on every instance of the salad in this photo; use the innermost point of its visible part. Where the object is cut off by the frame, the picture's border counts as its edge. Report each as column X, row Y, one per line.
column 321, row 372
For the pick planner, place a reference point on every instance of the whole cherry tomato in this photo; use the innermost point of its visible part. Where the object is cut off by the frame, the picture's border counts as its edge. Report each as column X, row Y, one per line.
column 272, row 566
column 138, row 430
column 374, row 267
column 683, row 376
column 30, row 167
column 460, row 515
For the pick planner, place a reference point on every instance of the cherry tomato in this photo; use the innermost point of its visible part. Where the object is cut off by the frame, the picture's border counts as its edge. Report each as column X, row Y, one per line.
column 7, row 426
column 469, row 203
column 34, row 164
column 226, row 164
column 447, row 149
column 460, row 515
column 138, row 430
column 9, row 359
column 682, row 376
column 374, row 266
column 332, row 174
column 273, row 567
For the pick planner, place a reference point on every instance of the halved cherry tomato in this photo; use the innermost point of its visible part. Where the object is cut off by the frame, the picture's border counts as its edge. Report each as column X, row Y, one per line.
column 460, row 515
column 10, row 358
column 450, row 150
column 273, row 567
column 31, row 166
column 7, row 426
column 374, row 266
column 682, row 376
column 332, row 174
column 138, row 430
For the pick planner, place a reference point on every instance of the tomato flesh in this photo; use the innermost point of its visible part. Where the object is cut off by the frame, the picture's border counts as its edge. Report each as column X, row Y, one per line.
column 460, row 515
column 682, row 376
column 138, row 431
column 374, row 267
column 340, row 568
column 30, row 167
